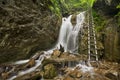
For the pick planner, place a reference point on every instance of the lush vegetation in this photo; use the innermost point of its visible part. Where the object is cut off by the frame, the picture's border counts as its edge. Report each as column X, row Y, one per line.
column 61, row 7
column 100, row 22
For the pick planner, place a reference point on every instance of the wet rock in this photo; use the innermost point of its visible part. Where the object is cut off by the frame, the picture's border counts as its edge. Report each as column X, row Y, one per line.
column 79, row 74
column 37, row 55
column 75, row 73
column 25, row 28
column 59, row 78
column 2, row 69
column 5, row 75
column 61, row 48
column 56, row 53
column 50, row 71
column 111, row 76
column 87, row 75
column 31, row 63
column 68, row 78
column 73, row 19
column 64, row 55
column 94, row 64
column 30, row 76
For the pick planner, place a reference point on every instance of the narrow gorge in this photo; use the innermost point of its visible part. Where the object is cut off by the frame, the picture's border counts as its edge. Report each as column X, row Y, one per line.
column 59, row 40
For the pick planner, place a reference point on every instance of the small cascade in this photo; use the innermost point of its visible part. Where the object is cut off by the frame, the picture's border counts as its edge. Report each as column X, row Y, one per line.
column 84, row 67
column 68, row 36
column 61, row 62
column 65, row 30
column 22, row 61
column 38, row 63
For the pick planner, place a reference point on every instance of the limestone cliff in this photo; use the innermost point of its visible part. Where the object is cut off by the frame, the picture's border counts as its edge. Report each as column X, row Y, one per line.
column 26, row 26
column 111, row 28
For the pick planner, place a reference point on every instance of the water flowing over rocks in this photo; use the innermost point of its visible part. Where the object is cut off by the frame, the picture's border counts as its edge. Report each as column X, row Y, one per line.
column 28, row 26
column 69, row 67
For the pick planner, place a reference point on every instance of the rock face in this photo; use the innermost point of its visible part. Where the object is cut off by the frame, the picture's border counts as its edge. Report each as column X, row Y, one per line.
column 50, row 71
column 56, row 53
column 107, row 7
column 25, row 27
column 31, row 63
column 111, row 30
column 112, row 41
column 111, row 76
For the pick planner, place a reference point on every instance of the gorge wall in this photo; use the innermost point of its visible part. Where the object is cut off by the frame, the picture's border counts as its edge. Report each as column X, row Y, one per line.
column 111, row 29
column 26, row 26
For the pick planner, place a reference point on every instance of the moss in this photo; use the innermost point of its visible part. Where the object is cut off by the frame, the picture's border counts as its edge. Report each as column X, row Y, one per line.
column 50, row 71
column 99, row 21
column 118, row 18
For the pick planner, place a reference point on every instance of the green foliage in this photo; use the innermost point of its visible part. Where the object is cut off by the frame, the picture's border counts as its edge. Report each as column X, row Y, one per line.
column 54, row 7
column 91, row 2
column 65, row 6
column 88, row 2
column 99, row 21
column 118, row 6
column 118, row 15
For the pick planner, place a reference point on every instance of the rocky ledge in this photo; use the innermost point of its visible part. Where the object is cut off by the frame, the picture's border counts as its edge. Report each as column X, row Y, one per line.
column 63, row 66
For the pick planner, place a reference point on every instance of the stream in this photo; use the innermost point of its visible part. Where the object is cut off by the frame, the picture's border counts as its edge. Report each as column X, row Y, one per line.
column 70, row 64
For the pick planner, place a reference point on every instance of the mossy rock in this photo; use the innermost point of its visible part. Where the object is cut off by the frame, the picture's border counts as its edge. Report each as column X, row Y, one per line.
column 50, row 71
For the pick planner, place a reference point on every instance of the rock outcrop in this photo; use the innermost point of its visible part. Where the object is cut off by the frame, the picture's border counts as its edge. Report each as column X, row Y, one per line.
column 107, row 7
column 110, row 29
column 26, row 27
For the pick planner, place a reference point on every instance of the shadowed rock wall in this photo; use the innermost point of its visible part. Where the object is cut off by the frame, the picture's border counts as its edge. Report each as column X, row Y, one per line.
column 26, row 26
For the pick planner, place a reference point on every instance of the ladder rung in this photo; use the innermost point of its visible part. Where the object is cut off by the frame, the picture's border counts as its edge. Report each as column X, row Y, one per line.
column 92, row 48
column 93, row 55
column 91, row 36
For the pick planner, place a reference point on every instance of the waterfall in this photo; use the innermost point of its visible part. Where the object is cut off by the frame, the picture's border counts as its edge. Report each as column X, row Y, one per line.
column 38, row 63
column 65, row 30
column 68, row 36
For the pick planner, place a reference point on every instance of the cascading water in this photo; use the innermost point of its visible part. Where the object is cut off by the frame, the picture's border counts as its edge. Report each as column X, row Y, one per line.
column 68, row 38
column 65, row 30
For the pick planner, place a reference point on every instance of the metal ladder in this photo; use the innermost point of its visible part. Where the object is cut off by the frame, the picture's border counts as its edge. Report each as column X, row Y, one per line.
column 92, row 47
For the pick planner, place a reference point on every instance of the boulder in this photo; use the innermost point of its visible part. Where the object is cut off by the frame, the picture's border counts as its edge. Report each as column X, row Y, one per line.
column 31, row 63
column 64, row 55
column 79, row 74
column 56, row 53
column 75, row 73
column 50, row 71
column 5, row 75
